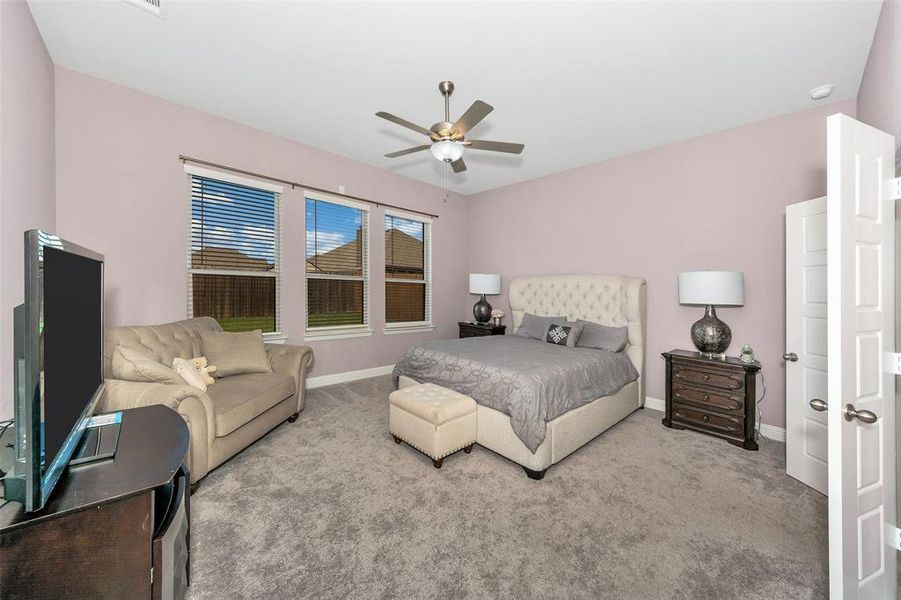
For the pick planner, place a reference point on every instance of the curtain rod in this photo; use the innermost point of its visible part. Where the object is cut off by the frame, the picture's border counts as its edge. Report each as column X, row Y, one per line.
column 296, row 184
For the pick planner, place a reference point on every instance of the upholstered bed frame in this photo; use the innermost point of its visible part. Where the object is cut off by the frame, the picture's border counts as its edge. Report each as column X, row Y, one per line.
column 607, row 299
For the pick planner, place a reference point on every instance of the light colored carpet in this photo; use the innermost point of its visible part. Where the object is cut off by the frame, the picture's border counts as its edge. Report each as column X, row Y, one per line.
column 331, row 507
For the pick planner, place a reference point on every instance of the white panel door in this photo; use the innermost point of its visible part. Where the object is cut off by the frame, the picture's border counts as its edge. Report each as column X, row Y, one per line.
column 806, row 436
column 861, row 306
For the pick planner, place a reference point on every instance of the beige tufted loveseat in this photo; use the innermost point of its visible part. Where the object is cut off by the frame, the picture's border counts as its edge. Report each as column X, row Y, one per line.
column 233, row 412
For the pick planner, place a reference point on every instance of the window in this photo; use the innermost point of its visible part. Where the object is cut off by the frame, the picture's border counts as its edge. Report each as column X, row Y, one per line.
column 337, row 265
column 407, row 271
column 234, row 253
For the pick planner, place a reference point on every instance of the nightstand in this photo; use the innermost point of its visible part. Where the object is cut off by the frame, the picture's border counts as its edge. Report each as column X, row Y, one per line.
column 713, row 396
column 478, row 329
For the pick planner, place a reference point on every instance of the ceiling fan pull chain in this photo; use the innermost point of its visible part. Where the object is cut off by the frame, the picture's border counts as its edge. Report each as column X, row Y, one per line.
column 445, row 183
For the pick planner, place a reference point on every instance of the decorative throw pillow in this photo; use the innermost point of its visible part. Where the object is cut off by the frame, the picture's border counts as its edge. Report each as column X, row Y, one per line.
column 190, row 375
column 595, row 335
column 558, row 334
column 575, row 332
column 235, row 353
column 536, row 327
column 128, row 364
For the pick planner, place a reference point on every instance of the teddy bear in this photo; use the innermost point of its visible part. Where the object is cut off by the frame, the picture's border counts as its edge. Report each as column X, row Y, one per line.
column 205, row 370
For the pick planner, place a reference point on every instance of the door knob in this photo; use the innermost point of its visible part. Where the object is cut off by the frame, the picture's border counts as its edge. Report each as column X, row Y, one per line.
column 864, row 416
column 790, row 357
column 818, row 405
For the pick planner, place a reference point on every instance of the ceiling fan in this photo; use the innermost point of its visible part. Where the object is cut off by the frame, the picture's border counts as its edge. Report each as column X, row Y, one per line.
column 449, row 139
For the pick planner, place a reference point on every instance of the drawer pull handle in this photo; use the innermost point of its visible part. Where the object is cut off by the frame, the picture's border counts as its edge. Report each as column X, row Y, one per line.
column 706, row 397
column 706, row 376
column 706, row 418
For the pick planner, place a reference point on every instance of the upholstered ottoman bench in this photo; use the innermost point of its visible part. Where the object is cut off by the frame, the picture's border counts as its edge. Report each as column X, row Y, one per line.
column 434, row 420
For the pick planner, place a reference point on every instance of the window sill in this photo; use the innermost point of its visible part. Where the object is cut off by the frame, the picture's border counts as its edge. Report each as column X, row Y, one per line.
column 407, row 328
column 336, row 333
column 276, row 337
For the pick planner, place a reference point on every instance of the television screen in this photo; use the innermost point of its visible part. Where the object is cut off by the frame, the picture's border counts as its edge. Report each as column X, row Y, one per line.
column 71, row 334
column 58, row 339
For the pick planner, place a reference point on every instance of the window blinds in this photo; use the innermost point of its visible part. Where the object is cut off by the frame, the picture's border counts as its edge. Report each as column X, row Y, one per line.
column 337, row 263
column 234, row 255
column 407, row 270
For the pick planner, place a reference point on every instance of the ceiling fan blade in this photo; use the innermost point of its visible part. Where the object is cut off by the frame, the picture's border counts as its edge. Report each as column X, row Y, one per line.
column 407, row 151
column 495, row 146
column 475, row 113
column 403, row 123
column 458, row 165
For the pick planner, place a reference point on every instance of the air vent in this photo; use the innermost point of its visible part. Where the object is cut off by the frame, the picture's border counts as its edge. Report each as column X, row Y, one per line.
column 155, row 7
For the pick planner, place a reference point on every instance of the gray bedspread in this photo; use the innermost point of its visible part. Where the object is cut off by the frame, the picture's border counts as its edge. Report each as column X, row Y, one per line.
column 531, row 381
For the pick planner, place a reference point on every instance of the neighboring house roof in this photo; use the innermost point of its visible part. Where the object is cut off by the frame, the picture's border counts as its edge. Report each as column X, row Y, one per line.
column 402, row 252
column 212, row 257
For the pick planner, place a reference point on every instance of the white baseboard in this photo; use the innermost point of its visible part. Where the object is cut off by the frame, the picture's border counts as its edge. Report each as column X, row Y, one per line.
column 324, row 380
column 770, row 432
column 654, row 403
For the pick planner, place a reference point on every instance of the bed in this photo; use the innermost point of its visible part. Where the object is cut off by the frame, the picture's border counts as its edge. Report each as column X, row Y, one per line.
column 607, row 299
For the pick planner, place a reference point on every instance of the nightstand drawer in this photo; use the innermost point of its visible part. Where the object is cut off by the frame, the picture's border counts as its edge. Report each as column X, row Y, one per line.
column 473, row 332
column 709, row 377
column 708, row 420
column 479, row 330
column 711, row 398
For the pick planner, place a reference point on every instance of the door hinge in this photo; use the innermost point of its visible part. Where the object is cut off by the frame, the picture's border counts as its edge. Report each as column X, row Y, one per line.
column 895, row 188
column 893, row 363
column 151, row 574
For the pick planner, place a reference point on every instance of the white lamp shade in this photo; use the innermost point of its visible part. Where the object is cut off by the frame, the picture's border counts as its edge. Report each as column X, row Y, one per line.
column 447, row 150
column 719, row 288
column 484, row 283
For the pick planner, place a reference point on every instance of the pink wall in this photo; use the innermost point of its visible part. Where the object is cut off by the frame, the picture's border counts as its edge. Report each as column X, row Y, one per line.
column 122, row 191
column 879, row 100
column 26, row 163
column 714, row 202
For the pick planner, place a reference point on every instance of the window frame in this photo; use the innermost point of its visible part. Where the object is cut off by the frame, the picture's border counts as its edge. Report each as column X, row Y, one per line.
column 412, row 326
column 333, row 332
column 277, row 272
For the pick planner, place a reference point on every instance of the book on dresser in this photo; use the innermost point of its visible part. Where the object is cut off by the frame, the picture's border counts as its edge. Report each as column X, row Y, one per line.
column 715, row 396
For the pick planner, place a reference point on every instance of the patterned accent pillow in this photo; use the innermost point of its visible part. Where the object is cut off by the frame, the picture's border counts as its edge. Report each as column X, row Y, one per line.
column 558, row 334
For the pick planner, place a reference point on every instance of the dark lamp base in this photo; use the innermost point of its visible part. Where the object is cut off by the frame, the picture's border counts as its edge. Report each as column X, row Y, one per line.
column 710, row 335
column 481, row 310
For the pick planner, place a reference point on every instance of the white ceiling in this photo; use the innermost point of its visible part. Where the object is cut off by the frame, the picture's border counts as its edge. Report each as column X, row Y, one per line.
column 576, row 83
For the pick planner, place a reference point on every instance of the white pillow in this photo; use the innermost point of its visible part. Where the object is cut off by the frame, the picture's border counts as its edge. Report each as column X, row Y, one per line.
column 186, row 369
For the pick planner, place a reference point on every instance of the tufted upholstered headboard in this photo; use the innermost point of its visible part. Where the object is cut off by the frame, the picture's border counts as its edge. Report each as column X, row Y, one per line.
column 613, row 300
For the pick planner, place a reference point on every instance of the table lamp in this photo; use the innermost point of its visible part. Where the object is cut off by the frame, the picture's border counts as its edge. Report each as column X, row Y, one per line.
column 711, row 289
column 483, row 283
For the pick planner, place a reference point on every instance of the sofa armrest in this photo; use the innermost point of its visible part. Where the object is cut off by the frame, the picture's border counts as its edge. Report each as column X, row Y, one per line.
column 194, row 406
column 287, row 359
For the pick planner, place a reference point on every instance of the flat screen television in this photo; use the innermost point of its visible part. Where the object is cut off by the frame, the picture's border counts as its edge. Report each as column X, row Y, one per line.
column 58, row 362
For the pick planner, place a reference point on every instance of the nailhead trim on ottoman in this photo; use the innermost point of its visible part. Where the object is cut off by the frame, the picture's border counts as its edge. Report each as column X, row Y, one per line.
column 434, row 420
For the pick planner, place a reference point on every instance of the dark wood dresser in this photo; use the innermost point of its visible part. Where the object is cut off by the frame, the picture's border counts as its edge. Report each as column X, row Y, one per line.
column 112, row 529
column 713, row 396
column 478, row 329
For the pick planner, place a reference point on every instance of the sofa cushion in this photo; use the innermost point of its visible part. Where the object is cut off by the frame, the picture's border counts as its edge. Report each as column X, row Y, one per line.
column 133, row 365
column 235, row 353
column 239, row 399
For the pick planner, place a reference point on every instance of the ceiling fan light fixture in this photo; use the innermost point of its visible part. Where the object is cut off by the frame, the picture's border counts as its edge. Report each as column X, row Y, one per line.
column 447, row 150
